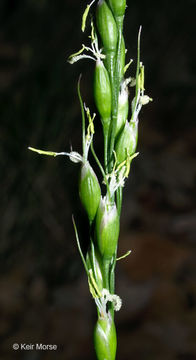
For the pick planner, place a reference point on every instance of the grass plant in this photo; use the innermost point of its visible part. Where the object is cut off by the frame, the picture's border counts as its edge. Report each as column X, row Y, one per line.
column 119, row 118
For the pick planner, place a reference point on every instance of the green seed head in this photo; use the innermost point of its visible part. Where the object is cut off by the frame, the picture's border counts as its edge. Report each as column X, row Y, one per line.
column 107, row 228
column 123, row 109
column 89, row 190
column 102, row 93
column 127, row 142
column 106, row 26
column 105, row 338
column 118, row 7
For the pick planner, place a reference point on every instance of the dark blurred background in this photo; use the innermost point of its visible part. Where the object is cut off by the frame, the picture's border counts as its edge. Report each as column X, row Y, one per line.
column 44, row 294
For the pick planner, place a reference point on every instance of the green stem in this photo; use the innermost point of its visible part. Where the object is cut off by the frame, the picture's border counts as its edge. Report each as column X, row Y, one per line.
column 79, row 247
column 137, row 74
column 93, row 260
column 101, row 169
column 105, row 133
column 119, row 200
column 113, row 75
column 83, row 115
column 112, row 278
column 112, row 281
column 115, row 84
column 106, row 271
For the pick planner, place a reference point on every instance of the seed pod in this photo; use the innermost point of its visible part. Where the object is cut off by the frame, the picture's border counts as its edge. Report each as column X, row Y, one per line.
column 89, row 190
column 118, row 7
column 123, row 109
column 105, row 338
column 127, row 142
column 94, row 262
column 106, row 26
column 107, row 228
column 102, row 93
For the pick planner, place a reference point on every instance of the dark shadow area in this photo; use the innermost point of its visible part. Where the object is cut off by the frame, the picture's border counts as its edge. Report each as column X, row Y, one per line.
column 44, row 294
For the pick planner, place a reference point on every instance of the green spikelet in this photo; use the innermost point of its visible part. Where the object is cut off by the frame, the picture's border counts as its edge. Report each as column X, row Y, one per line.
column 127, row 142
column 118, row 7
column 106, row 26
column 89, row 190
column 107, row 228
column 102, row 93
column 105, row 338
